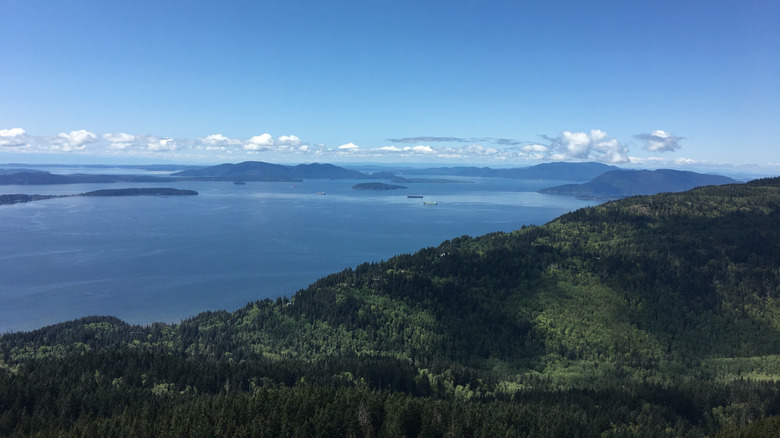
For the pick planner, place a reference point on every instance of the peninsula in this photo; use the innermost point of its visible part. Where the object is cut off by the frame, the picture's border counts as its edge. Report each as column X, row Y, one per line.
column 622, row 183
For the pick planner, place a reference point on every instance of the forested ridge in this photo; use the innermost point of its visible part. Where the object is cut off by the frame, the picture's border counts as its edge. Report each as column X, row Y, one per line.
column 648, row 316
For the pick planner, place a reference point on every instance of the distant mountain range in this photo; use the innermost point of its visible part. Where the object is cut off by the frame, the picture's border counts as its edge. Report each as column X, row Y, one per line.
column 261, row 171
column 15, row 167
column 604, row 181
column 623, row 183
column 555, row 171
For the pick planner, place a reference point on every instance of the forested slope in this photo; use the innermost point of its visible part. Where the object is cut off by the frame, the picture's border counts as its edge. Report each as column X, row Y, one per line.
column 653, row 315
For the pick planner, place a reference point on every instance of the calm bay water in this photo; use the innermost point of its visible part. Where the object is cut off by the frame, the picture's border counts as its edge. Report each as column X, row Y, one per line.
column 146, row 259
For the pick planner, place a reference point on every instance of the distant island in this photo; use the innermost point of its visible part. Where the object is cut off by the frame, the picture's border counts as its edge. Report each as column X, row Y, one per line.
column 21, row 198
column 261, row 171
column 376, row 186
column 429, row 181
column 623, row 183
column 154, row 191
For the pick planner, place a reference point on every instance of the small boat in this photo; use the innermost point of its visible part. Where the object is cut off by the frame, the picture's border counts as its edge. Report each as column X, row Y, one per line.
column 414, row 196
column 320, row 193
column 239, row 183
column 430, row 203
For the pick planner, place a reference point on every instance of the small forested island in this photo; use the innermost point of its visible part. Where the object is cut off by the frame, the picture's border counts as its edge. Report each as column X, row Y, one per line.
column 654, row 316
column 376, row 186
column 262, row 171
column 21, row 198
column 155, row 191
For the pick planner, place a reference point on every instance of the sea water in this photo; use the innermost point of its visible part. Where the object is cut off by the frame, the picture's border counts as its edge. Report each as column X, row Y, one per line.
column 150, row 258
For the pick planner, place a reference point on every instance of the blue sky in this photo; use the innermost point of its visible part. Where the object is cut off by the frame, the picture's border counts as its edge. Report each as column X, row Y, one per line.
column 503, row 83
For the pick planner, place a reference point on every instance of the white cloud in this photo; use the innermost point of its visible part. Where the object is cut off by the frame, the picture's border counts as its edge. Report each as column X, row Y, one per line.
column 592, row 145
column 685, row 161
column 259, row 142
column 349, row 147
column 660, row 141
column 289, row 140
column 407, row 150
column 120, row 137
column 389, row 149
column 587, row 146
column 161, row 144
column 13, row 137
column 119, row 141
column 575, row 144
column 74, row 140
column 475, row 149
column 219, row 140
column 534, row 148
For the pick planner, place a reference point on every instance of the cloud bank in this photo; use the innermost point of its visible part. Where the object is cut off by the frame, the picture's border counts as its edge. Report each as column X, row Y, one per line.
column 595, row 145
column 429, row 140
column 74, row 140
column 660, row 141
column 14, row 137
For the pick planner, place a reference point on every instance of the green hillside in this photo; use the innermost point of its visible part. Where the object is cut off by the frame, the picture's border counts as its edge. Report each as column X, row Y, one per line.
column 655, row 315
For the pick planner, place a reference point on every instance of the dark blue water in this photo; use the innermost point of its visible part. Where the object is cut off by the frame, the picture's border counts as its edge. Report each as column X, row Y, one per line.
column 147, row 259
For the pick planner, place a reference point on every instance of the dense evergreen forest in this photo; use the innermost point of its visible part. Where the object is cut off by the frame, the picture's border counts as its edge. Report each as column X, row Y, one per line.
column 648, row 316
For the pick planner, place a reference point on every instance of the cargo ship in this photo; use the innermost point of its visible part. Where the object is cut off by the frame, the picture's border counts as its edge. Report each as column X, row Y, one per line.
column 430, row 203
column 414, row 196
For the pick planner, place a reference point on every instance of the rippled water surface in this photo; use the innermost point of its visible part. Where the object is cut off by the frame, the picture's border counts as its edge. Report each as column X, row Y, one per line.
column 147, row 259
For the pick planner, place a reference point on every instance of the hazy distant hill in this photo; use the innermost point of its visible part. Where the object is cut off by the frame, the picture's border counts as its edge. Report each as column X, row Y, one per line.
column 553, row 171
column 14, row 167
column 19, row 170
column 261, row 171
column 35, row 177
column 622, row 183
